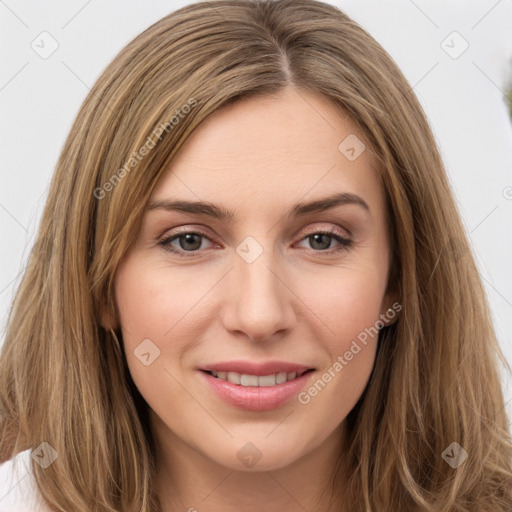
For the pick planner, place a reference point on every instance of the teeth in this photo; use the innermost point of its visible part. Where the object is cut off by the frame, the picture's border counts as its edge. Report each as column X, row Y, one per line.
column 248, row 380
column 233, row 377
column 267, row 380
column 243, row 379
column 281, row 377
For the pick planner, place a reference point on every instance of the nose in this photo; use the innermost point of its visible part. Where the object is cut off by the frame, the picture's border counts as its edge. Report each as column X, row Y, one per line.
column 259, row 302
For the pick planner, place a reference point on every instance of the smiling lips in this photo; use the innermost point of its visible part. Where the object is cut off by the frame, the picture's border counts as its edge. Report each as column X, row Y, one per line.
column 256, row 386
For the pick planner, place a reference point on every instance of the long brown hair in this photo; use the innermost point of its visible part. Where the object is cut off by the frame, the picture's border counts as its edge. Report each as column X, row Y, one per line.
column 64, row 379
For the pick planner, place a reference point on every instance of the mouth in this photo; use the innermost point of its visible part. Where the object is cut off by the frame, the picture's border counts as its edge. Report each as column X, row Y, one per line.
column 250, row 380
column 256, row 386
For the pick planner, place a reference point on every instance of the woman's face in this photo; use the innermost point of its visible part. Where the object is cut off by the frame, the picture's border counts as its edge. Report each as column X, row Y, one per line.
column 266, row 282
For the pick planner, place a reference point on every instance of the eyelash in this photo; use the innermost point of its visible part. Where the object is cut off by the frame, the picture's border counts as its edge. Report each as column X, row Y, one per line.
column 344, row 243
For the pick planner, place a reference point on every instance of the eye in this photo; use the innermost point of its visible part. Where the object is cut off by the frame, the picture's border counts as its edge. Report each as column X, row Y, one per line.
column 191, row 242
column 321, row 241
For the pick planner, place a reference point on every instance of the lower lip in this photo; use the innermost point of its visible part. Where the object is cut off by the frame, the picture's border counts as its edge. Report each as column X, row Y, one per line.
column 256, row 398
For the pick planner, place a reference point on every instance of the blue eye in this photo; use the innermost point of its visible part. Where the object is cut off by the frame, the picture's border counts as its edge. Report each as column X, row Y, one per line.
column 190, row 243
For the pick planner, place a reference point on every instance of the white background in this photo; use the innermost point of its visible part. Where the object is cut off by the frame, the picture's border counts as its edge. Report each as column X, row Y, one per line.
column 463, row 99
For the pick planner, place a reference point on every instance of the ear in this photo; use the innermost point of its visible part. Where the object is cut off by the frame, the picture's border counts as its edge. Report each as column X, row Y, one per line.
column 107, row 320
column 390, row 308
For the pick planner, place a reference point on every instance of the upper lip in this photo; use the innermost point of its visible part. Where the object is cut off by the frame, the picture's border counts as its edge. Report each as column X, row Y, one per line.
column 253, row 368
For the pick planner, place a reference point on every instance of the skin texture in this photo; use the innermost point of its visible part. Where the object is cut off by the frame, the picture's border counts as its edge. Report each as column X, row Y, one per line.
column 299, row 301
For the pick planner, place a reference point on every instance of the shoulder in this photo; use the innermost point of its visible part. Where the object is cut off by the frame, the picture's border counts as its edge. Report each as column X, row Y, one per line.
column 18, row 490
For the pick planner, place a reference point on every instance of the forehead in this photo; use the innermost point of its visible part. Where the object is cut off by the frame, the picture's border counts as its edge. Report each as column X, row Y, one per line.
column 295, row 145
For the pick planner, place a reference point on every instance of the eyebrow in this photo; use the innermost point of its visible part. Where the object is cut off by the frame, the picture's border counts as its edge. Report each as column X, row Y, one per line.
column 222, row 214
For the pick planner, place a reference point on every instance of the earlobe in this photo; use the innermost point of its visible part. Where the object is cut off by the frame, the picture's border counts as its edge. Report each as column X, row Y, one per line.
column 105, row 322
column 389, row 316
column 106, row 319
column 391, row 309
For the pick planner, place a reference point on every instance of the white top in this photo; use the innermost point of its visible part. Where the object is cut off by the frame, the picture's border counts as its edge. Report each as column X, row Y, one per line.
column 18, row 490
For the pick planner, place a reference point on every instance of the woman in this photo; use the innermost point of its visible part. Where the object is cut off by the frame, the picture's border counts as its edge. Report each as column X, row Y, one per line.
column 251, row 286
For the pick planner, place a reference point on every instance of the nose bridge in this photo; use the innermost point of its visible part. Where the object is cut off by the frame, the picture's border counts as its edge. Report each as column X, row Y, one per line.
column 259, row 302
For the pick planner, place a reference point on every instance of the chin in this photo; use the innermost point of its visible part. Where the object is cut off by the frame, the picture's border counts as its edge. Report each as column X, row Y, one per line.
column 258, row 455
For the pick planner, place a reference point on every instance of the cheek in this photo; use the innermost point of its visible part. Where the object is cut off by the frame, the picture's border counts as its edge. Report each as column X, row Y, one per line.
column 168, row 308
column 343, row 304
column 156, row 303
column 351, row 350
column 345, row 308
column 154, row 306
